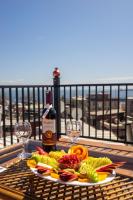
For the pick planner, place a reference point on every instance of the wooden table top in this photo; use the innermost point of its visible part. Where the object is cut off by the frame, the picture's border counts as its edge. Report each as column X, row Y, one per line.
column 18, row 182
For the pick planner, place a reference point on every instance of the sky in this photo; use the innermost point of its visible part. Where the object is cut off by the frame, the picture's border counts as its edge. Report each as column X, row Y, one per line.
column 88, row 40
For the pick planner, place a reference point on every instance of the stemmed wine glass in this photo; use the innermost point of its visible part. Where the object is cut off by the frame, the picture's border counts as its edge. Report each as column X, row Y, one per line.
column 73, row 130
column 23, row 131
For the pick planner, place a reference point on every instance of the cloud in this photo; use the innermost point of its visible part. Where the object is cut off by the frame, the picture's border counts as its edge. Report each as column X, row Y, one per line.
column 9, row 82
column 116, row 79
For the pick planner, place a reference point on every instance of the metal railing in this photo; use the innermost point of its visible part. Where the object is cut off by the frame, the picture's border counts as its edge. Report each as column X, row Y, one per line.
column 105, row 110
column 20, row 103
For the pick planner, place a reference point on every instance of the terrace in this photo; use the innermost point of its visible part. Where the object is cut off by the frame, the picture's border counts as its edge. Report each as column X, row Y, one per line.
column 105, row 111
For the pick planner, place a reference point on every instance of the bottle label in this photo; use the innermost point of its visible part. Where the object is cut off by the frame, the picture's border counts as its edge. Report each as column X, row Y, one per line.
column 48, row 132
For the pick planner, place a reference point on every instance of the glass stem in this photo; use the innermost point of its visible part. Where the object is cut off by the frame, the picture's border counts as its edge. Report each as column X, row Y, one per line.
column 72, row 142
column 23, row 146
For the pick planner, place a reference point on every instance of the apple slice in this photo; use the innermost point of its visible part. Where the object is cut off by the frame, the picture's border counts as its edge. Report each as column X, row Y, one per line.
column 67, row 176
column 109, row 168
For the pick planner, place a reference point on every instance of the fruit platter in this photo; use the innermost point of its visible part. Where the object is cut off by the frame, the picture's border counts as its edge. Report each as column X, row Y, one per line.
column 74, row 167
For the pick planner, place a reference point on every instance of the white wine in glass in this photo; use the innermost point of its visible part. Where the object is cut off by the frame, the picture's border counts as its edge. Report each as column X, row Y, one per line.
column 23, row 131
column 73, row 130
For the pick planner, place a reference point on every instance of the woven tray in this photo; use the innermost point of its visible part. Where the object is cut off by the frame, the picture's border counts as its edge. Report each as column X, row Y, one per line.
column 18, row 182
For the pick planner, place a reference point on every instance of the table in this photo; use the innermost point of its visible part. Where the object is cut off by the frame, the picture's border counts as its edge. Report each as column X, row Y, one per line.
column 18, row 182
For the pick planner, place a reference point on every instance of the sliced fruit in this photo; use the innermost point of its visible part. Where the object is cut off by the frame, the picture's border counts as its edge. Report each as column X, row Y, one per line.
column 37, row 157
column 97, row 162
column 87, row 171
column 79, row 150
column 46, row 173
column 110, row 167
column 31, row 163
column 57, row 154
column 70, row 170
column 102, row 175
column 41, row 151
column 43, row 165
column 67, row 176
column 83, row 180
column 69, row 161
column 43, row 170
column 54, row 175
column 45, row 159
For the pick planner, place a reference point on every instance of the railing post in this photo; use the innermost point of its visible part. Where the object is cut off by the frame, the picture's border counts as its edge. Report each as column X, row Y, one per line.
column 56, row 83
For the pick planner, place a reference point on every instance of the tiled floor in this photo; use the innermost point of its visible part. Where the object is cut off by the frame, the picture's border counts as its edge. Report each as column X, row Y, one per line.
column 85, row 126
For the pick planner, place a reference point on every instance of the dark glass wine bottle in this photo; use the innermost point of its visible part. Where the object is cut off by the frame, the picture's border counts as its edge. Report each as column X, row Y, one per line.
column 49, row 136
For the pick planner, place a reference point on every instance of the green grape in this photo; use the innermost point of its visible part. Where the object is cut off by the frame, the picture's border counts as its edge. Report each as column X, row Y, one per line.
column 89, row 172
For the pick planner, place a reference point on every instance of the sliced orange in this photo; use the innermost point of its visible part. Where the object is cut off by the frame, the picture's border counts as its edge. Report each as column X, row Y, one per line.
column 83, row 179
column 31, row 163
column 54, row 175
column 79, row 150
column 102, row 175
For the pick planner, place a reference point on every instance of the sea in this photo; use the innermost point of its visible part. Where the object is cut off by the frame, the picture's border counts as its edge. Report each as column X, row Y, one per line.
column 80, row 93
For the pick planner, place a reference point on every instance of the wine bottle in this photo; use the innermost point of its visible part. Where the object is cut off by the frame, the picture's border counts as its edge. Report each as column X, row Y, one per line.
column 49, row 136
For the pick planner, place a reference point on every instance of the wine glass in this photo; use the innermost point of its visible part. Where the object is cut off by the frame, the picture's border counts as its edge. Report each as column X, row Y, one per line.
column 73, row 130
column 23, row 131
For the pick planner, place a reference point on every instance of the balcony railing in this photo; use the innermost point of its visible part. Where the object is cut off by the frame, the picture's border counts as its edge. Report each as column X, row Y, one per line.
column 105, row 110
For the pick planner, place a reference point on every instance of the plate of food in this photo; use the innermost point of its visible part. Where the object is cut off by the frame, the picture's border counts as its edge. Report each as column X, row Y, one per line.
column 74, row 167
